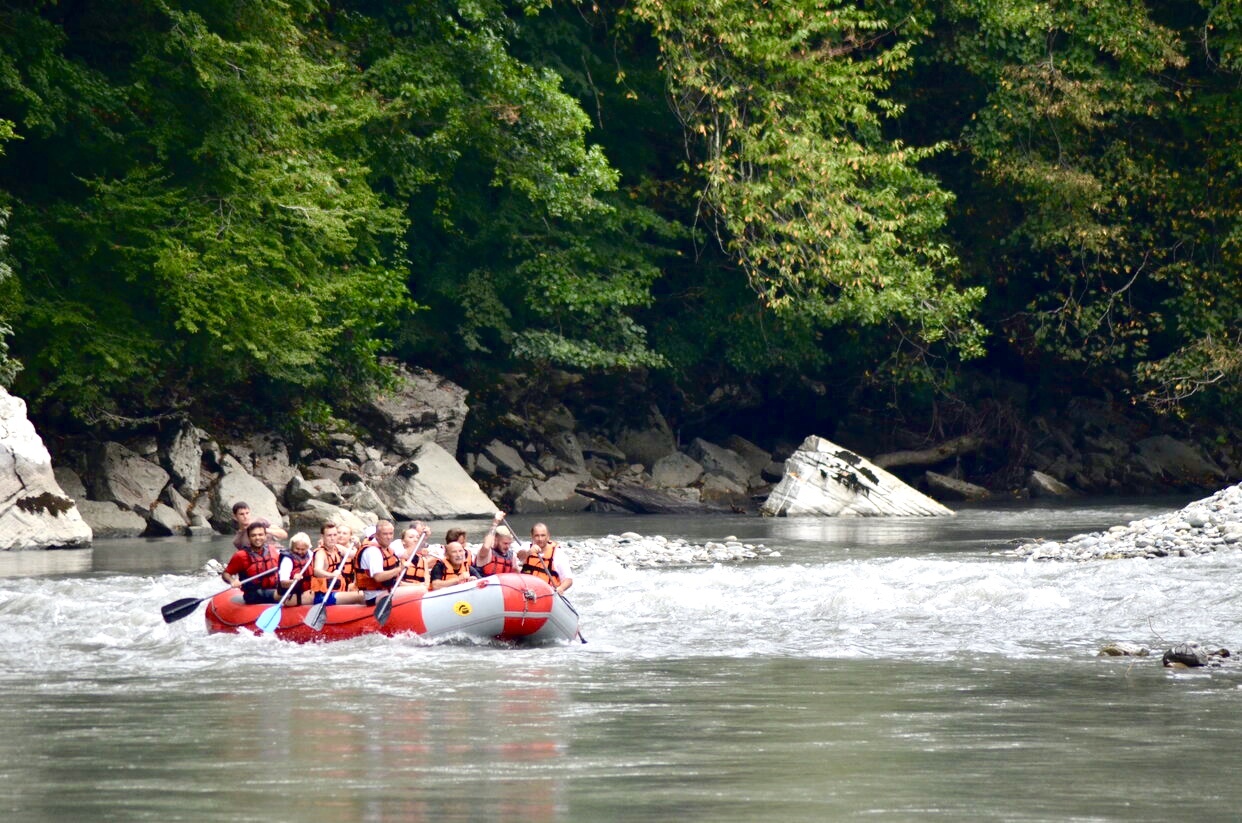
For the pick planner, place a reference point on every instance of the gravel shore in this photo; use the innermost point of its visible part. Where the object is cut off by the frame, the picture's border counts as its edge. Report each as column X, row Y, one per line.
column 1203, row 526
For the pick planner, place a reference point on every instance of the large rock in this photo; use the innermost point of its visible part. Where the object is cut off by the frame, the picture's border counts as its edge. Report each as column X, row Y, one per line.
column 675, row 470
column 300, row 490
column 822, row 478
column 362, row 498
column 1177, row 461
column 70, row 482
column 568, row 450
column 719, row 460
column 649, row 444
column 556, row 494
column 431, row 484
column 317, row 512
column 182, row 456
column 107, row 519
column 422, row 407
column 237, row 484
column 35, row 512
column 165, row 521
column 753, row 456
column 507, row 459
column 124, row 477
column 1045, row 485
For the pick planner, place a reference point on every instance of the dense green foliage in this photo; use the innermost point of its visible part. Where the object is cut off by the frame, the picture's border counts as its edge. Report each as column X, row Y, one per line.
column 227, row 205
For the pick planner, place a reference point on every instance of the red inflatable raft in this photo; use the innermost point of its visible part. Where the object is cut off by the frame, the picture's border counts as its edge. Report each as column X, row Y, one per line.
column 504, row 607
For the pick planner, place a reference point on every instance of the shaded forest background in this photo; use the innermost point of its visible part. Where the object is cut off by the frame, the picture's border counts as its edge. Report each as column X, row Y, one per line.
column 762, row 216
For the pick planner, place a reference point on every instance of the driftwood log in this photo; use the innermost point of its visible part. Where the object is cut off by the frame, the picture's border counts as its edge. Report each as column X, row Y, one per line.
column 929, row 457
column 648, row 501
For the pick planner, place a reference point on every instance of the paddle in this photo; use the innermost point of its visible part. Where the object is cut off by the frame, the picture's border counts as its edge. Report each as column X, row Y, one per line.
column 270, row 619
column 318, row 614
column 185, row 607
column 383, row 608
column 530, row 547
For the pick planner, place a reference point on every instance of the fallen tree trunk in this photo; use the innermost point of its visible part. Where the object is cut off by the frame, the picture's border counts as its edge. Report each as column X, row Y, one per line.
column 929, row 457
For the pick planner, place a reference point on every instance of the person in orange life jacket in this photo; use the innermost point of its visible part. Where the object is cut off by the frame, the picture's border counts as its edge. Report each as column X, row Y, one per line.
column 541, row 559
column 243, row 519
column 292, row 562
column 257, row 557
column 328, row 557
column 496, row 555
column 379, row 565
column 458, row 536
column 419, row 561
column 453, row 569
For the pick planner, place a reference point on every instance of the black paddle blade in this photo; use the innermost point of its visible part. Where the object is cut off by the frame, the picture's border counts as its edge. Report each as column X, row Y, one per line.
column 178, row 609
column 317, row 616
column 383, row 609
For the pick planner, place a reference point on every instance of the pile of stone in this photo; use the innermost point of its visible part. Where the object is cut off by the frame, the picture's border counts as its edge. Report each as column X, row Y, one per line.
column 636, row 551
column 1202, row 527
column 546, row 464
column 398, row 463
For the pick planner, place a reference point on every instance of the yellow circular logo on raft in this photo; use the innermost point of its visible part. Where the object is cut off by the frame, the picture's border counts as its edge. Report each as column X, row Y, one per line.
column 462, row 608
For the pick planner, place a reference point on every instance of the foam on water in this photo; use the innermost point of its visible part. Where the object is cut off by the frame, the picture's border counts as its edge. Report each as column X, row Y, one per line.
column 108, row 628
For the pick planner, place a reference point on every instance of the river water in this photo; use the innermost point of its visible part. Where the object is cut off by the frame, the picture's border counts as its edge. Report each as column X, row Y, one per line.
column 878, row 669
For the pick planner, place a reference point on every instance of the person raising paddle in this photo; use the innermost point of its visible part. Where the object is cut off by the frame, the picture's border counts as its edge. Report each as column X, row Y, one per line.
column 496, row 555
column 255, row 559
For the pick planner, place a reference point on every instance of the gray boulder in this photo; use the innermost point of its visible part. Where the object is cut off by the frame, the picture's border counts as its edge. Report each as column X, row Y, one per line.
column 1177, row 461
column 35, row 512
column 432, row 484
column 676, row 470
column 316, row 512
column 507, row 459
column 1045, row 485
column 362, row 498
column 422, row 407
column 300, row 490
column 753, row 456
column 822, row 478
column 237, row 484
column 106, row 519
column 121, row 476
column 182, row 457
column 556, row 494
column 70, row 482
column 600, row 447
column 648, row 444
column 165, row 521
column 717, row 488
column 719, row 460
column 567, row 449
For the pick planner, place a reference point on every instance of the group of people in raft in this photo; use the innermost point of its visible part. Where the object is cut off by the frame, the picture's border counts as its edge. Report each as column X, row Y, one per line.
column 369, row 565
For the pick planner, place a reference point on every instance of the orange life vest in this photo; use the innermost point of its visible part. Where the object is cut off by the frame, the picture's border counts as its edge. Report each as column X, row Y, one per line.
column 365, row 582
column 332, row 560
column 540, row 565
column 420, row 570
column 455, row 577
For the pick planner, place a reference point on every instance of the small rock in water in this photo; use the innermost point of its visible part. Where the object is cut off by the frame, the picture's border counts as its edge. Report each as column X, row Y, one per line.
column 1188, row 655
column 1123, row 649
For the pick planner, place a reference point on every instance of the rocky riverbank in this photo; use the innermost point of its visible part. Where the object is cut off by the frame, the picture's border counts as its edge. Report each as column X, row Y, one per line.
column 1202, row 527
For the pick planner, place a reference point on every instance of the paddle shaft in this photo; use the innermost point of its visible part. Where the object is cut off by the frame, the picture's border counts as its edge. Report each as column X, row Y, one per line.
column 274, row 611
column 315, row 617
column 383, row 607
column 178, row 608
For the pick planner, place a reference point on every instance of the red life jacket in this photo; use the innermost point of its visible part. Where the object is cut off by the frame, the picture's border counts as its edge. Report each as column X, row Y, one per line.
column 499, row 564
column 365, row 582
column 256, row 563
column 540, row 565
column 303, row 583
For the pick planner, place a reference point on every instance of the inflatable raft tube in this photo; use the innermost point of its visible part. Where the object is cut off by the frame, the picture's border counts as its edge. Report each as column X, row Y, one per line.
column 517, row 607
